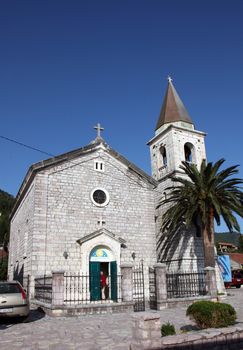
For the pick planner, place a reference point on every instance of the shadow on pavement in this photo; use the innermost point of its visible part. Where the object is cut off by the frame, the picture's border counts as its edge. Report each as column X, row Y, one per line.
column 35, row 315
column 189, row 327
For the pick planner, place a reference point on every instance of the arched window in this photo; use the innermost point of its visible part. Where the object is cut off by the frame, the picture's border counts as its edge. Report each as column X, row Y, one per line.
column 188, row 150
column 163, row 156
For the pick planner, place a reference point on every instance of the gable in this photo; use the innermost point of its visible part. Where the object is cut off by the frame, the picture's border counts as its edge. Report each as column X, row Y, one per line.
column 88, row 154
column 101, row 232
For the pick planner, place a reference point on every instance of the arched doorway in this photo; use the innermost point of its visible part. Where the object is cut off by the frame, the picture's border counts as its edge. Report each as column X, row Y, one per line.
column 102, row 261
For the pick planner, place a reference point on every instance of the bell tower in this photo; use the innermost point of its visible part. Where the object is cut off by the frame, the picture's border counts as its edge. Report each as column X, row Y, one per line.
column 175, row 137
column 175, row 140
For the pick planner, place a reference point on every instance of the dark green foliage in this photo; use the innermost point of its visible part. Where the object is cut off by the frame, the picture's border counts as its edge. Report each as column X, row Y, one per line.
column 228, row 237
column 204, row 195
column 208, row 314
column 3, row 268
column 240, row 246
column 6, row 205
column 167, row 329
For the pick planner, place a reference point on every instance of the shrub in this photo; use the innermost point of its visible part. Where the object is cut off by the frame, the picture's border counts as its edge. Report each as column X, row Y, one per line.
column 208, row 314
column 167, row 329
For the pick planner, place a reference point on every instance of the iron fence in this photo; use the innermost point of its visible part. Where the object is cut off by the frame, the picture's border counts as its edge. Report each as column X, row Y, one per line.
column 43, row 289
column 138, row 288
column 152, row 289
column 86, row 289
column 185, row 284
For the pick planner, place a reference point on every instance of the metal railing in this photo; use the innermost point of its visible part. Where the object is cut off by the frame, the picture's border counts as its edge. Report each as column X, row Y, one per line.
column 138, row 288
column 185, row 284
column 43, row 289
column 85, row 289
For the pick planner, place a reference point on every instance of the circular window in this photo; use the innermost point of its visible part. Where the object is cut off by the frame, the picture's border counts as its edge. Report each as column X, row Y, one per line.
column 100, row 197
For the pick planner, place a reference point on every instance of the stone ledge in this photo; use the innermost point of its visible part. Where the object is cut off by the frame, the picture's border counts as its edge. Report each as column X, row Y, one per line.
column 170, row 303
column 75, row 310
column 229, row 338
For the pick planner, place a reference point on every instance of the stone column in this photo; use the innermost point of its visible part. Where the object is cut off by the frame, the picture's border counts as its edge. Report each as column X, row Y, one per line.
column 146, row 331
column 126, row 282
column 31, row 287
column 211, row 283
column 160, row 285
column 57, row 288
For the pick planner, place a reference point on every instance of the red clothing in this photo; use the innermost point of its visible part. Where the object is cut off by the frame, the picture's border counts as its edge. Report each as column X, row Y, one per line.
column 103, row 280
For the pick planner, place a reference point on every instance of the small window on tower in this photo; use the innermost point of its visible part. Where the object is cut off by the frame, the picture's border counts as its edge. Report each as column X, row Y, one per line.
column 189, row 152
column 99, row 165
column 163, row 156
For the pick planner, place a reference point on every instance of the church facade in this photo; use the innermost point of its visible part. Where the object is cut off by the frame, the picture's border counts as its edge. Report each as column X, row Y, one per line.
column 91, row 210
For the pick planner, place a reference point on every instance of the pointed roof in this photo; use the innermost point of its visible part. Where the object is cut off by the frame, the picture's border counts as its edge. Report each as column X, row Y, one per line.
column 173, row 109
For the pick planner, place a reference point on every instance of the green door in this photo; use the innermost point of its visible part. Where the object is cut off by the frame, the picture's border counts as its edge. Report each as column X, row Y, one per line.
column 113, row 280
column 94, row 280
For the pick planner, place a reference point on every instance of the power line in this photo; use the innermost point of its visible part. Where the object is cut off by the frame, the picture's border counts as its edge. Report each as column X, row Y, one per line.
column 69, row 161
column 26, row 146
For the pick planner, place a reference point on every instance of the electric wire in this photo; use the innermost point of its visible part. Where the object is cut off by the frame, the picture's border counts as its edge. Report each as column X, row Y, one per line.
column 26, row 146
column 75, row 163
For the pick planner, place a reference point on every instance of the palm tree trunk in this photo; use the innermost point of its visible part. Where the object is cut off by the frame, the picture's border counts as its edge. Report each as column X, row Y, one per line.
column 208, row 241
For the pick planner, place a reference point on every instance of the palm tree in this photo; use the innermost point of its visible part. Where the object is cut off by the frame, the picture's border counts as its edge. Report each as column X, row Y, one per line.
column 200, row 198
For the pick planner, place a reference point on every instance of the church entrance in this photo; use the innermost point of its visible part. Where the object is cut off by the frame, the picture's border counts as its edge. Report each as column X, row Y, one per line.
column 103, row 275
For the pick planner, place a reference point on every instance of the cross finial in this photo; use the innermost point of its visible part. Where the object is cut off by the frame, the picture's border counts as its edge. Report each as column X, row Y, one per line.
column 99, row 128
column 169, row 79
column 101, row 222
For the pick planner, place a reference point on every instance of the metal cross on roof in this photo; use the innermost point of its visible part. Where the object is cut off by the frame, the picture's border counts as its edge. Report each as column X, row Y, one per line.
column 169, row 79
column 99, row 128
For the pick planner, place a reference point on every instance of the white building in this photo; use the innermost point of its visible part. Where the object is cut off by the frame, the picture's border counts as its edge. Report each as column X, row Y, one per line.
column 91, row 209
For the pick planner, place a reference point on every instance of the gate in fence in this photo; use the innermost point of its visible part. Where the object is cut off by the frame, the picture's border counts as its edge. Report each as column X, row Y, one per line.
column 43, row 289
column 152, row 289
column 138, row 288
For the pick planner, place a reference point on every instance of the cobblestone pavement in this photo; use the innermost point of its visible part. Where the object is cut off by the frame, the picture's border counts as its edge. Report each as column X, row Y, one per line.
column 91, row 332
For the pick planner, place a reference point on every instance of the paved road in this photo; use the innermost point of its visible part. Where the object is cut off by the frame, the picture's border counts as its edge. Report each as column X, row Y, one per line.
column 111, row 331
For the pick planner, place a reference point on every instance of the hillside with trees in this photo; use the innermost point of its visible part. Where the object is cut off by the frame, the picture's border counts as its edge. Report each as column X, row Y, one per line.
column 6, row 205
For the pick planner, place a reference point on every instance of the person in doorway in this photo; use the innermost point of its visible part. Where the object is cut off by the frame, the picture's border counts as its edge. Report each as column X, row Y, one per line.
column 103, row 283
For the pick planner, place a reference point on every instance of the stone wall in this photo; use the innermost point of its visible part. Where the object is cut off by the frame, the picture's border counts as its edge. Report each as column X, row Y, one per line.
column 21, row 237
column 183, row 251
column 147, row 336
column 64, row 213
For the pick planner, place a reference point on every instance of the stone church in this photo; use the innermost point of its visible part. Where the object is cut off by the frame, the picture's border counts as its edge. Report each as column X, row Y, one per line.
column 91, row 209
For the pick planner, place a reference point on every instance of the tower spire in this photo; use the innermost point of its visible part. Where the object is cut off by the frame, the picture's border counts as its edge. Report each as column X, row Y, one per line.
column 173, row 109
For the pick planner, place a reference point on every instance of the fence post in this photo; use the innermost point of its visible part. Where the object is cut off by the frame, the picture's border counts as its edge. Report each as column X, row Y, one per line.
column 146, row 333
column 127, row 282
column 31, row 290
column 211, row 284
column 161, row 285
column 57, row 288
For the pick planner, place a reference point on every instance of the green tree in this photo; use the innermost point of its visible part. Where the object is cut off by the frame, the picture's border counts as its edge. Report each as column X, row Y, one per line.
column 6, row 205
column 3, row 268
column 200, row 198
column 240, row 244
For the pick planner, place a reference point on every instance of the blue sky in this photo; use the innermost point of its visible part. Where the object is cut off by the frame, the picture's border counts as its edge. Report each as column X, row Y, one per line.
column 66, row 65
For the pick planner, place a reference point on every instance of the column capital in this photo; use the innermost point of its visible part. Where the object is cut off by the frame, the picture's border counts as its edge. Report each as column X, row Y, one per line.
column 58, row 272
column 209, row 268
column 160, row 265
column 126, row 265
